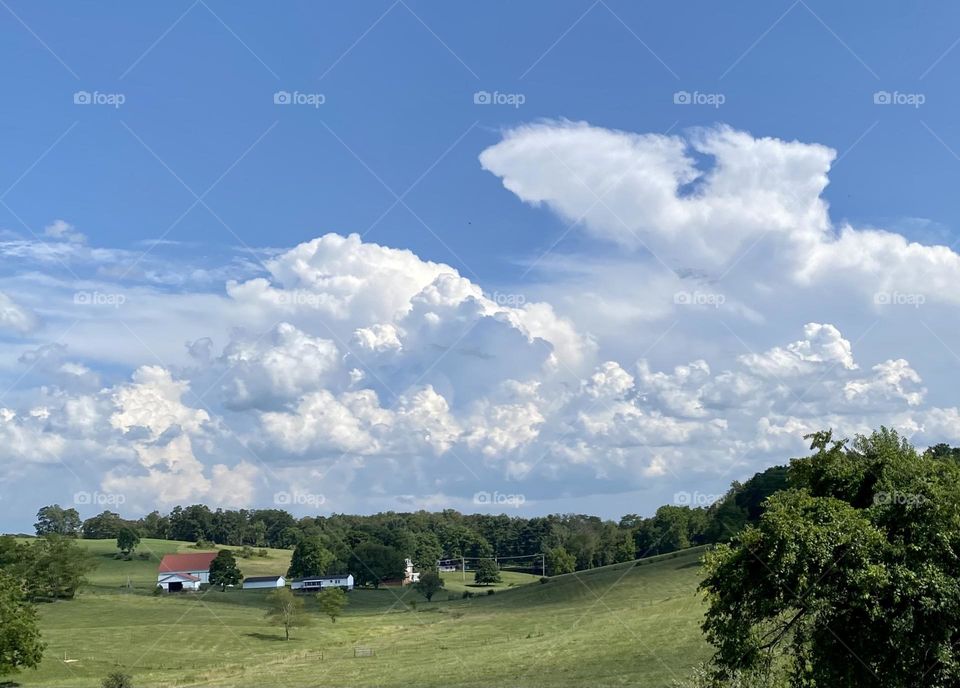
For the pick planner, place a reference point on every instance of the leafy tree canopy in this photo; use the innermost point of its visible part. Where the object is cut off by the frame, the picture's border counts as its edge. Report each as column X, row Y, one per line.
column 224, row 570
column 127, row 540
column 20, row 644
column 310, row 558
column 487, row 572
column 430, row 584
column 331, row 602
column 56, row 520
column 374, row 563
column 287, row 610
column 850, row 577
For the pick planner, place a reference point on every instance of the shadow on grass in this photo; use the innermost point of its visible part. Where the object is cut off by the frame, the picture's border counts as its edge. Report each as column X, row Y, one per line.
column 265, row 636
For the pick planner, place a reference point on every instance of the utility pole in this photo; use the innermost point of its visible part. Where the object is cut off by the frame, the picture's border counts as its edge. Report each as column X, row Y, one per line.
column 463, row 569
column 543, row 565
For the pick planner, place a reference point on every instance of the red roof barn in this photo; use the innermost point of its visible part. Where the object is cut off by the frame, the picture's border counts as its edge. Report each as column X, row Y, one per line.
column 184, row 571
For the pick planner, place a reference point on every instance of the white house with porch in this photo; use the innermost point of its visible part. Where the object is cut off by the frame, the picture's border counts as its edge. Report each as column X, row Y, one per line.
column 315, row 583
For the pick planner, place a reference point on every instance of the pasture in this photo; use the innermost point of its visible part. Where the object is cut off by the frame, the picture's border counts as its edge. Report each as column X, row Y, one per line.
column 633, row 624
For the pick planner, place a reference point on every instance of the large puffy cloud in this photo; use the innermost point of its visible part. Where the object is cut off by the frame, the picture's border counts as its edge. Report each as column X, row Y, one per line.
column 372, row 376
column 822, row 346
column 280, row 366
column 646, row 190
column 650, row 191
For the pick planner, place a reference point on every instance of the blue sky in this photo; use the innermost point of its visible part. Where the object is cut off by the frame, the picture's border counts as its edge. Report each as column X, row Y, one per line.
column 198, row 156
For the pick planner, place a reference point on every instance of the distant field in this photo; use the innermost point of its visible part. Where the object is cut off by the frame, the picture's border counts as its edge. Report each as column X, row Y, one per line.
column 626, row 625
column 457, row 582
column 112, row 573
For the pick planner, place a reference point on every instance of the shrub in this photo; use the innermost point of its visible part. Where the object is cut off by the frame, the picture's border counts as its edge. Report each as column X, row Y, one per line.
column 117, row 679
column 491, row 592
column 544, row 579
column 263, row 553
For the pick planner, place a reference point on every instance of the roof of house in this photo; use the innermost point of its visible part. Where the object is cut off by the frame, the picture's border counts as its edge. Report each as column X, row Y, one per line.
column 262, row 579
column 183, row 576
column 326, row 577
column 190, row 561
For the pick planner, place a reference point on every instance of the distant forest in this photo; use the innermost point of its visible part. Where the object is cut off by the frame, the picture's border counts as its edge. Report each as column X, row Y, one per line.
column 572, row 541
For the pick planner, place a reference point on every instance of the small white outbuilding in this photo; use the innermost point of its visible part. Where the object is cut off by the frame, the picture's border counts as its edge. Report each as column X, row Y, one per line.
column 261, row 582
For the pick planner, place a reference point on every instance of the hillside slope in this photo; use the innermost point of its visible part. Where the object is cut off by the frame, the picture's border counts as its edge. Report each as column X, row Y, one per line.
column 627, row 625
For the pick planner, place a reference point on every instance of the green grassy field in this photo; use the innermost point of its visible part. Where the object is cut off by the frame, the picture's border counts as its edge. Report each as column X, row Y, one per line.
column 625, row 625
column 456, row 583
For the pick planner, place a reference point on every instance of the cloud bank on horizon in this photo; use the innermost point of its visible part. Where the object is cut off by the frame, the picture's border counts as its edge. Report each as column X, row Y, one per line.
column 701, row 332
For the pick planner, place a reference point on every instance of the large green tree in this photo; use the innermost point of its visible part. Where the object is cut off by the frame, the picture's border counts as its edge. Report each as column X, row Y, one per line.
column 310, row 558
column 560, row 561
column 127, row 540
column 373, row 563
column 103, row 526
column 20, row 644
column 56, row 520
column 850, row 577
column 54, row 567
column 430, row 584
column 224, row 570
column 487, row 572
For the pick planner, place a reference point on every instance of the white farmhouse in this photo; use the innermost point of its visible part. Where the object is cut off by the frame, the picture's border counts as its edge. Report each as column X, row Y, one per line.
column 187, row 571
column 312, row 583
column 260, row 582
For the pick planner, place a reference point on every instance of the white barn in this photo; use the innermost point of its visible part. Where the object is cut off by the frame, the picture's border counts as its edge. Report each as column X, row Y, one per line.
column 261, row 582
column 186, row 571
column 177, row 582
column 311, row 583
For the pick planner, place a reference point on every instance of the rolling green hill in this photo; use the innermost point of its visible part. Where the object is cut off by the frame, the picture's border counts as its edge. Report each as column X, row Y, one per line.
column 626, row 625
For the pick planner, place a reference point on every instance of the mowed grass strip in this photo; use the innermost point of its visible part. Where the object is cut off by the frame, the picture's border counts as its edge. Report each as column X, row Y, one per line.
column 628, row 625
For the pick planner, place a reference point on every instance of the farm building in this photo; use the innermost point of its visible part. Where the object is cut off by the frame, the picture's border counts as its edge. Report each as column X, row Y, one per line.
column 187, row 571
column 409, row 575
column 258, row 582
column 339, row 580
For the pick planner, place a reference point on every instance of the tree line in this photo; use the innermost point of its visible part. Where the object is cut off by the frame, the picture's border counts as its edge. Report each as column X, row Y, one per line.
column 572, row 542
